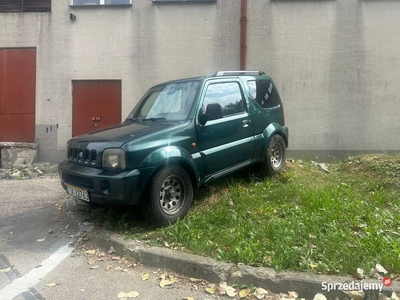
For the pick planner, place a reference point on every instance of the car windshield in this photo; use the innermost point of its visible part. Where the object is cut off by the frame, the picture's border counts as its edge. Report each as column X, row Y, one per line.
column 169, row 102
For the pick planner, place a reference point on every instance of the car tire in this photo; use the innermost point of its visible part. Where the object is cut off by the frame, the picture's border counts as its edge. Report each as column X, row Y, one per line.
column 275, row 155
column 168, row 197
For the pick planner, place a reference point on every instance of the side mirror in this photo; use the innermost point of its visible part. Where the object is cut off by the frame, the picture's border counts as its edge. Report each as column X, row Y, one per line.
column 214, row 111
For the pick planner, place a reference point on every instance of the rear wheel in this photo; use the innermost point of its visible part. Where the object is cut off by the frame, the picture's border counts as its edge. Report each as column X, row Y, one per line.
column 275, row 155
column 169, row 196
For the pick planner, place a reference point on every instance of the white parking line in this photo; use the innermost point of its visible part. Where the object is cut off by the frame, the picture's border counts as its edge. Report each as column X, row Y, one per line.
column 27, row 281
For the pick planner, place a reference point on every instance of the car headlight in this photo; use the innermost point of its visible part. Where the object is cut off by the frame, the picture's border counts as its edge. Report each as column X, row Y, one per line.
column 113, row 159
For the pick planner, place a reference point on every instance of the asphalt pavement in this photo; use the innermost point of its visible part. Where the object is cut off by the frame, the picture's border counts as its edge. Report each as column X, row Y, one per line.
column 43, row 258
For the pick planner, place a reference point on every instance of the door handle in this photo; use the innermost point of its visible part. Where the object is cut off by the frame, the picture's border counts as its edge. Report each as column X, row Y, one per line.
column 246, row 123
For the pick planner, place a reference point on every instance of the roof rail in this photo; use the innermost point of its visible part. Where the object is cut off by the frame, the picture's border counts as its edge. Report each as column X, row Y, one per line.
column 237, row 73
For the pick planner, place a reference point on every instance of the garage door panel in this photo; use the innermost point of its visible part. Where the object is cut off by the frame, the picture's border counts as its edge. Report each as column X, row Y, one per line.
column 85, row 108
column 18, row 128
column 2, row 77
column 17, row 95
column 2, row 70
column 20, row 73
column 96, row 104
column 109, row 106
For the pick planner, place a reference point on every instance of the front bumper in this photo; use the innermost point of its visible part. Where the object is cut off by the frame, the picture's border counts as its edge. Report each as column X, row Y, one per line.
column 103, row 187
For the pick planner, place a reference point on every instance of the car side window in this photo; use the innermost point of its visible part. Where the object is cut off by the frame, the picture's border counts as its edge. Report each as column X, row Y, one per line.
column 228, row 95
column 263, row 92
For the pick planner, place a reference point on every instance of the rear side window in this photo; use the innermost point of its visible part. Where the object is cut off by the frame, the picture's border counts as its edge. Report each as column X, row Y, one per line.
column 263, row 92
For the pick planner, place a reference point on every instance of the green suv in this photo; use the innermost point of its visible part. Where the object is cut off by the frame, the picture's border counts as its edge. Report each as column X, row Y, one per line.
column 181, row 134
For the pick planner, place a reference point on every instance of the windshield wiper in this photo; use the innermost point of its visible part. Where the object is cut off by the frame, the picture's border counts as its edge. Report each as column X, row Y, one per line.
column 154, row 119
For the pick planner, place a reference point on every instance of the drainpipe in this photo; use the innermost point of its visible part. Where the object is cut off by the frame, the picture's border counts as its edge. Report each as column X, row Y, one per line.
column 243, row 34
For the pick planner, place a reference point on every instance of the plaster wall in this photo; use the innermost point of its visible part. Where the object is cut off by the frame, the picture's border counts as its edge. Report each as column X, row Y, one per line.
column 336, row 62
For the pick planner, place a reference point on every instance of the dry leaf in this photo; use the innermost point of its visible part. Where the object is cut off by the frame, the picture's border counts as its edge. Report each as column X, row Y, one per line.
column 360, row 274
column 293, row 295
column 188, row 298
column 319, row 296
column 165, row 282
column 51, row 284
column 243, row 293
column 131, row 294
column 90, row 252
column 116, row 258
column 260, row 293
column 230, row 291
column 100, row 254
column 313, row 266
column 356, row 295
column 94, row 267
column 210, row 290
column 108, row 267
column 118, row 269
column 101, row 259
column 5, row 270
column 145, row 276
column 166, row 244
column 394, row 296
column 194, row 279
column 40, row 240
column 380, row 269
column 91, row 261
column 222, row 288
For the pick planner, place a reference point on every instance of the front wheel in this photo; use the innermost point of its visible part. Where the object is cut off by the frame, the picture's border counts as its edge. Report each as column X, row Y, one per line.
column 169, row 196
column 275, row 155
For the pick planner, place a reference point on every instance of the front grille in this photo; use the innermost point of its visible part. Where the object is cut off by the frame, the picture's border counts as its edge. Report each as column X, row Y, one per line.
column 78, row 181
column 83, row 156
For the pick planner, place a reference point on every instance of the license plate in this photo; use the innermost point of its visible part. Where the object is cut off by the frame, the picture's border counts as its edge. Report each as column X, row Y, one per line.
column 77, row 192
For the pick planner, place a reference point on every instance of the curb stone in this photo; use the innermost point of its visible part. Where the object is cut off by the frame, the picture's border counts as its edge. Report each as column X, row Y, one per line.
column 305, row 284
column 7, row 277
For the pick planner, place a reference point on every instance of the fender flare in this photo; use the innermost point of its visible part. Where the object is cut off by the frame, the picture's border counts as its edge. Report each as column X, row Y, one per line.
column 273, row 129
column 168, row 155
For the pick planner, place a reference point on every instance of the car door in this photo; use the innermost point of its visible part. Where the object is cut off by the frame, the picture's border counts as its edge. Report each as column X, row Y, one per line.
column 228, row 141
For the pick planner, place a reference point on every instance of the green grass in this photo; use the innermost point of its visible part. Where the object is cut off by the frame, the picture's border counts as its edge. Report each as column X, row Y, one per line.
column 302, row 219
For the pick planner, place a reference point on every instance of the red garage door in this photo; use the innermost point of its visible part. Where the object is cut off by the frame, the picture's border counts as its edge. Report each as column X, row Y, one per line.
column 95, row 104
column 17, row 95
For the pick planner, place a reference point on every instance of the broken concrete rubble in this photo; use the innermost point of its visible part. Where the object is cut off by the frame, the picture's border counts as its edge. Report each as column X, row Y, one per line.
column 17, row 155
column 35, row 170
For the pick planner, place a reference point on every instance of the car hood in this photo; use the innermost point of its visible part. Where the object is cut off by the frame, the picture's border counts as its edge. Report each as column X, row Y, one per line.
column 122, row 133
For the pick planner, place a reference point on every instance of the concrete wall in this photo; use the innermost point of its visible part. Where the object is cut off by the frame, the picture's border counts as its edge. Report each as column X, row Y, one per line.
column 337, row 66
column 336, row 62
